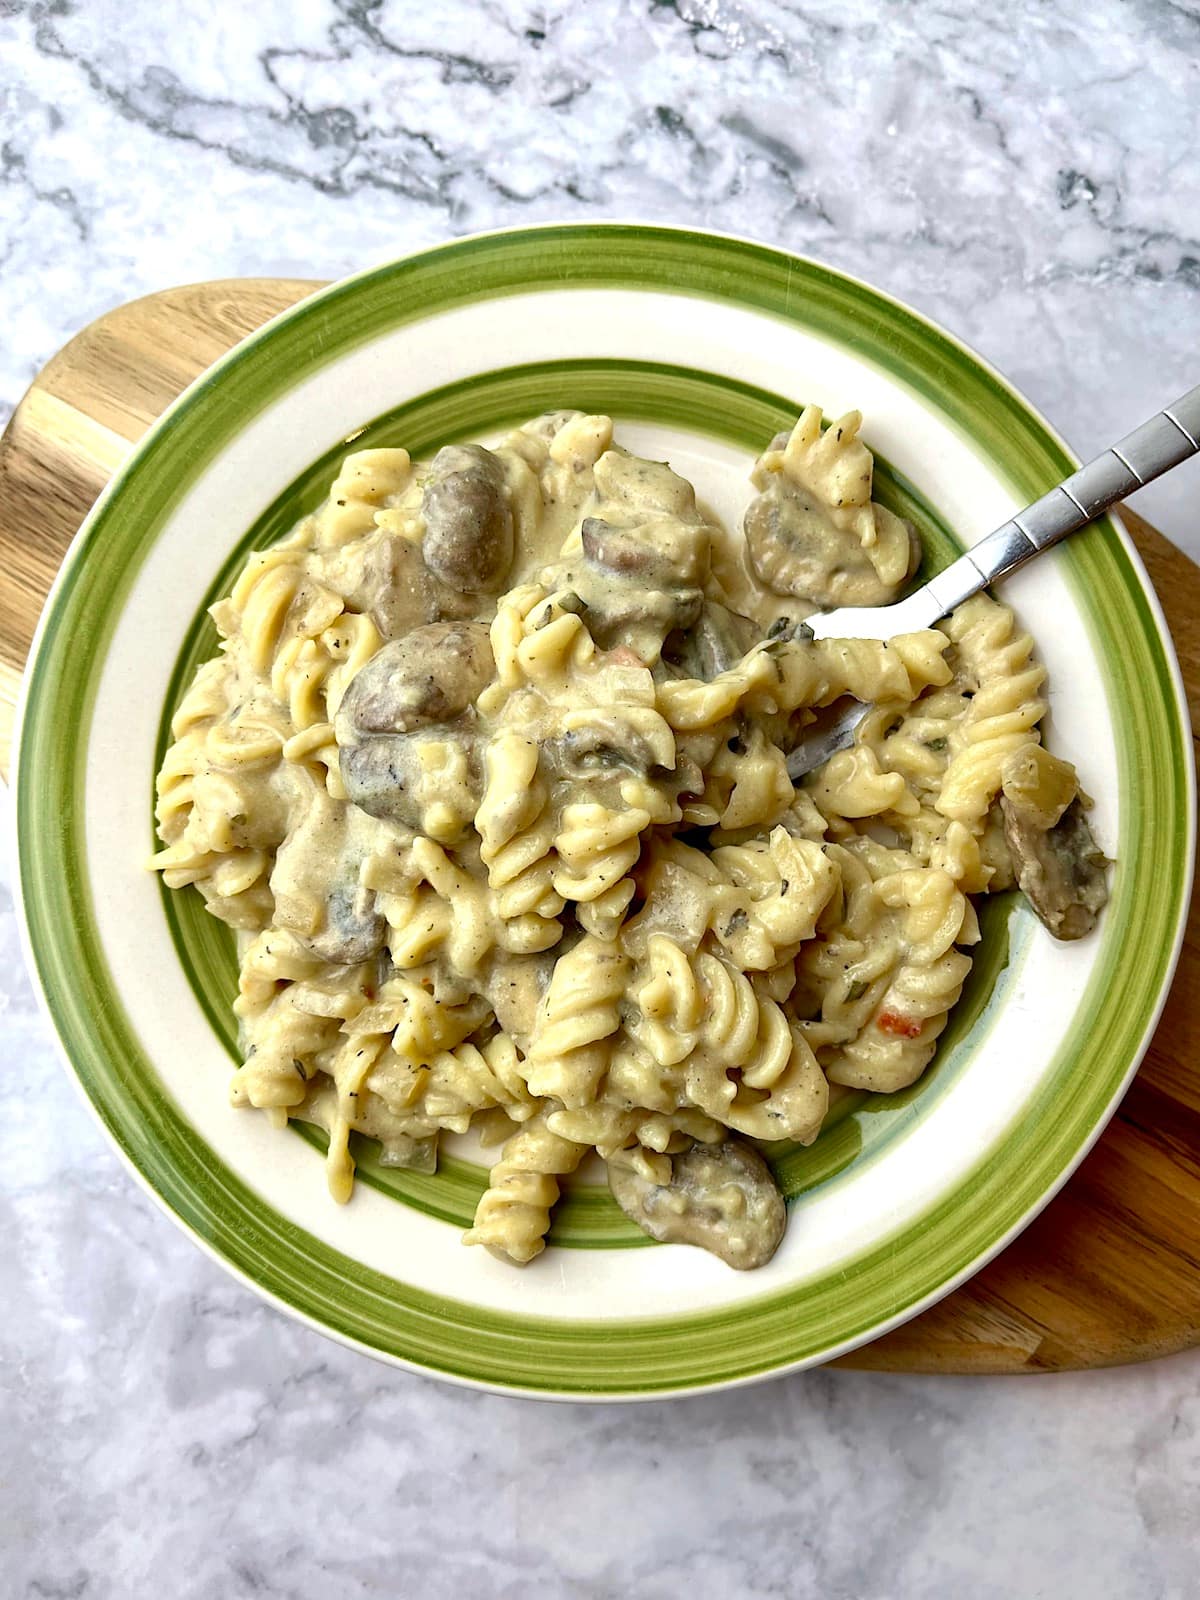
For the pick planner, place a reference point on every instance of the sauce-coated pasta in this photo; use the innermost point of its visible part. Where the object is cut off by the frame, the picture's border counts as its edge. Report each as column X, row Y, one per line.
column 489, row 778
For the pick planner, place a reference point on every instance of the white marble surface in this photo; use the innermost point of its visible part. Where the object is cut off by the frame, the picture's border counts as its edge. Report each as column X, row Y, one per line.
column 1027, row 174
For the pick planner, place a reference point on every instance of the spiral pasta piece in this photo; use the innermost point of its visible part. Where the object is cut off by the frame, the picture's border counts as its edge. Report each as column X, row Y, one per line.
column 596, row 846
column 1002, row 716
column 446, row 1088
column 894, row 1048
column 516, row 830
column 785, row 675
column 779, row 1091
column 669, row 1001
column 367, row 480
column 535, row 642
column 572, row 1038
column 512, row 1216
column 834, row 467
column 769, row 897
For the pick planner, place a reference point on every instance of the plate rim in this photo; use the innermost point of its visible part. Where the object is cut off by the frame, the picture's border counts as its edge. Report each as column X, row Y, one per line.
column 305, row 307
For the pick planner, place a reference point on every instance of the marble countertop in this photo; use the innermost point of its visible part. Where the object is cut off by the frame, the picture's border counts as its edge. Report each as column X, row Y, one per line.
column 1026, row 174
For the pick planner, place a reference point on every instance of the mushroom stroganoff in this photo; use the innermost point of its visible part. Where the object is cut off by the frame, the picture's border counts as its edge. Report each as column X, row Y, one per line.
column 489, row 778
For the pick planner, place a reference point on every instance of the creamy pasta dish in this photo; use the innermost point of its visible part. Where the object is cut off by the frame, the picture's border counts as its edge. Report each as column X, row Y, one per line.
column 489, row 778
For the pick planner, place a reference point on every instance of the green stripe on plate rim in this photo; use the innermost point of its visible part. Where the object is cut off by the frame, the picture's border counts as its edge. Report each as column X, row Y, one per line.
column 638, row 1357
column 862, row 1126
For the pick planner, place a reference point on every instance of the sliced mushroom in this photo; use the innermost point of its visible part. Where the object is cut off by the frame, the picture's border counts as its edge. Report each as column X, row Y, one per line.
column 633, row 583
column 386, row 576
column 603, row 739
column 429, row 781
column 645, row 553
column 354, row 928
column 624, row 551
column 1061, row 870
column 468, row 519
column 404, row 728
column 314, row 878
column 716, row 641
column 431, row 675
column 796, row 548
column 720, row 1197
column 630, row 613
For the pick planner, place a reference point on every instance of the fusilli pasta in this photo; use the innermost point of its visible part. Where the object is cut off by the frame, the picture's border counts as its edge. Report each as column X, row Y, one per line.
column 490, row 779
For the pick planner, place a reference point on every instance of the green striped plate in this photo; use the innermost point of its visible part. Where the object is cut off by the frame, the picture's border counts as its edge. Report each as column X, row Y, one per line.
column 701, row 346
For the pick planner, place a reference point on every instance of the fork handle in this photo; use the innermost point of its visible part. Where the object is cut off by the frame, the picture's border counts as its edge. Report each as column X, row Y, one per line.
column 1140, row 457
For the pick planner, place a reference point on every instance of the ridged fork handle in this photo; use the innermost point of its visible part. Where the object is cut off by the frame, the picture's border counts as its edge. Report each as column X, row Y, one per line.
column 1141, row 456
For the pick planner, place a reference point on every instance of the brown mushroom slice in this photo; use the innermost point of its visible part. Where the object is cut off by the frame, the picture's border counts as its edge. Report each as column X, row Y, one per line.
column 391, row 584
column 646, row 551
column 431, row 675
column 715, row 642
column 629, row 614
column 1061, row 870
column 354, row 928
column 406, row 743
column 631, row 584
column 608, row 738
column 721, row 1198
column 388, row 579
column 429, row 781
column 468, row 519
column 796, row 548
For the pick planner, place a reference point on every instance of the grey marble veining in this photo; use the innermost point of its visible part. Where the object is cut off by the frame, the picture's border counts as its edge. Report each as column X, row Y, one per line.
column 1025, row 173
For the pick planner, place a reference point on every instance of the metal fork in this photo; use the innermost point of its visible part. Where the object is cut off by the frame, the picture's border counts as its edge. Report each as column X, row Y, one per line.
column 1146, row 453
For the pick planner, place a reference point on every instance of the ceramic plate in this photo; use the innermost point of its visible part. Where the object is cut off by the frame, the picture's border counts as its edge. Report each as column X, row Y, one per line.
column 701, row 347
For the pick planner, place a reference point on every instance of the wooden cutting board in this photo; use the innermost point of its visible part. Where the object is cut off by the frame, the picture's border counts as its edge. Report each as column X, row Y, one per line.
column 1110, row 1272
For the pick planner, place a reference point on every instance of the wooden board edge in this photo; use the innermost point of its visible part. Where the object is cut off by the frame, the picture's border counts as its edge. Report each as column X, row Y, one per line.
column 50, row 410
